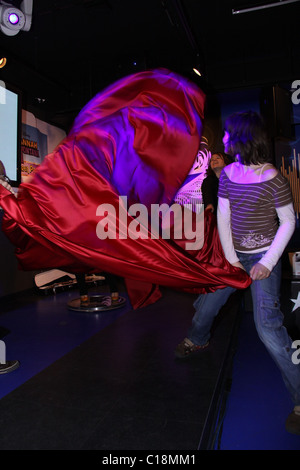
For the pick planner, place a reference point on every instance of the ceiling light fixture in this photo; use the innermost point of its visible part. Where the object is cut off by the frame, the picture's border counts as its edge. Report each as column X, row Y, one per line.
column 3, row 61
column 13, row 20
column 237, row 11
column 196, row 71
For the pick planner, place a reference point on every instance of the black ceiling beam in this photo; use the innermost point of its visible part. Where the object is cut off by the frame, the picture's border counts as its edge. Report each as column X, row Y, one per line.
column 249, row 9
column 178, row 18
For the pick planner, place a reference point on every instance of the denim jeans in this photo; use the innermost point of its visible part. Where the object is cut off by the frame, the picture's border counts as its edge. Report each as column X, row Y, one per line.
column 268, row 320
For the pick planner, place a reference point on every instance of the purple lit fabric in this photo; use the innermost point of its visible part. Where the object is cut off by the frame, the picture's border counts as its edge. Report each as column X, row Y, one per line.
column 138, row 138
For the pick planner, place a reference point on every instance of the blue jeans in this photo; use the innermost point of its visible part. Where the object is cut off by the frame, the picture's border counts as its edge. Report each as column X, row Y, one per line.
column 268, row 320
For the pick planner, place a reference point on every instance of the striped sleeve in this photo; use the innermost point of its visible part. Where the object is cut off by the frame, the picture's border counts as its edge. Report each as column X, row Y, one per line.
column 223, row 191
column 281, row 191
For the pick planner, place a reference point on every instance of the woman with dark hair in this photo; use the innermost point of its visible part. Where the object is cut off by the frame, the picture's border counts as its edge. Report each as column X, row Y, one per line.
column 210, row 185
column 246, row 138
column 253, row 197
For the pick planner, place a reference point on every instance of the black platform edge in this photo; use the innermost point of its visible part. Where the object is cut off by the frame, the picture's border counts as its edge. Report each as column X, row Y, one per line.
column 17, row 295
column 212, row 429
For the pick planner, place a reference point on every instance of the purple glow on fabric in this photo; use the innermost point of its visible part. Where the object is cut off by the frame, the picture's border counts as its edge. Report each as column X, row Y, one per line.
column 138, row 138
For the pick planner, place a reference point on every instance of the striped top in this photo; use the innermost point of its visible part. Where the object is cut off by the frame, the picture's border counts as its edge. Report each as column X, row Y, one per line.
column 254, row 221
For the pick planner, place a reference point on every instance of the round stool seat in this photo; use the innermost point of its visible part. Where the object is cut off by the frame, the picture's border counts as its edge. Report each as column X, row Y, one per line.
column 96, row 303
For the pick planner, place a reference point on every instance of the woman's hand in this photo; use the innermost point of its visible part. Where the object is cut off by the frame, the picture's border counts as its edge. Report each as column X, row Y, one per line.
column 210, row 207
column 6, row 185
column 259, row 272
column 238, row 265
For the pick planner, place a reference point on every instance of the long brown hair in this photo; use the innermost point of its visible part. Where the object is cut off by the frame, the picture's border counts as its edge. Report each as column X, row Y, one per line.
column 248, row 138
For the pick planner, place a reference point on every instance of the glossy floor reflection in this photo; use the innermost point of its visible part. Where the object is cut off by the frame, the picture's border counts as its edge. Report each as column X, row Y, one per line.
column 258, row 403
column 107, row 381
column 110, row 381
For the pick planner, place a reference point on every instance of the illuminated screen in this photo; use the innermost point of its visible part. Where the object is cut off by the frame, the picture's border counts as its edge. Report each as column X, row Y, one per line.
column 10, row 125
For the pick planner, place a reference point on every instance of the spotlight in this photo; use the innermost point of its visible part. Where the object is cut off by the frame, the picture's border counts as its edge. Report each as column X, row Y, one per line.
column 13, row 20
column 197, row 72
column 3, row 61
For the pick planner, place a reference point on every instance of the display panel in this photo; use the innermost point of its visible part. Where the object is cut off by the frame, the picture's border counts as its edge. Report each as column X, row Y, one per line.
column 10, row 129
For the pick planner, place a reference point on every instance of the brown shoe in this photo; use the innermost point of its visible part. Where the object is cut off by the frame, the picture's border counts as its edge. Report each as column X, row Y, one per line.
column 84, row 300
column 115, row 297
column 292, row 423
column 186, row 348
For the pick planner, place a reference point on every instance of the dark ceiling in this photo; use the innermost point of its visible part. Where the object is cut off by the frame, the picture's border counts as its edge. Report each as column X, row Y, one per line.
column 76, row 48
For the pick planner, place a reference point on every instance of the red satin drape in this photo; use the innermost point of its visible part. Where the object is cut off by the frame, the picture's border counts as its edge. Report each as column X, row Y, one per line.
column 138, row 138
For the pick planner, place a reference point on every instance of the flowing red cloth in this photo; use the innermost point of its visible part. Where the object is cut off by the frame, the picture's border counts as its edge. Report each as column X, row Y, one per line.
column 136, row 139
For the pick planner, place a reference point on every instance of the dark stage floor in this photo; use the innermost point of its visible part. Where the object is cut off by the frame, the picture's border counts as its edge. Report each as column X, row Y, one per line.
column 109, row 381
